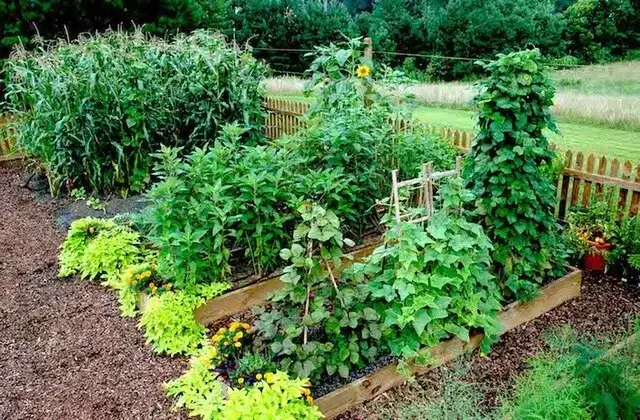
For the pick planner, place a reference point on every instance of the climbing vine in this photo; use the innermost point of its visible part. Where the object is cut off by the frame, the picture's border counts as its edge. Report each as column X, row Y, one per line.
column 505, row 170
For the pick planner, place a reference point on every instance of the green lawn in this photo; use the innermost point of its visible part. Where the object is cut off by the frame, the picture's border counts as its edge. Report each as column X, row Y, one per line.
column 610, row 142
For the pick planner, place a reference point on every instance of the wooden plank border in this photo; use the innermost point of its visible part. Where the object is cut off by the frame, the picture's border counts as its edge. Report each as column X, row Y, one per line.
column 256, row 294
column 516, row 314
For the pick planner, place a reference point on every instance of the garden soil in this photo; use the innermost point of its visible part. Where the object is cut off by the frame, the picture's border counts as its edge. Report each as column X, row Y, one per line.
column 65, row 353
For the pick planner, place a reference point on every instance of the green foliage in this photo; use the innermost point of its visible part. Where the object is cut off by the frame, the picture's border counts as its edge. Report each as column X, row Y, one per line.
column 169, row 323
column 576, row 380
column 280, row 398
column 598, row 30
column 274, row 397
column 515, row 200
column 611, row 393
column 93, row 111
column 98, row 248
column 455, row 398
column 417, row 146
column 346, row 330
column 432, row 282
column 549, row 391
column 626, row 245
column 251, row 368
column 81, row 233
column 198, row 389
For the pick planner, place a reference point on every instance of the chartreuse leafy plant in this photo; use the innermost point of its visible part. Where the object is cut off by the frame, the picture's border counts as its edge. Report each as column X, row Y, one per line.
column 432, row 282
column 98, row 248
column 317, row 325
column 81, row 233
column 274, row 396
column 169, row 322
column 505, row 170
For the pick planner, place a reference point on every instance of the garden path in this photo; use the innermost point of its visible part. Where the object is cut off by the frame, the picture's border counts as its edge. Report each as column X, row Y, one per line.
column 65, row 353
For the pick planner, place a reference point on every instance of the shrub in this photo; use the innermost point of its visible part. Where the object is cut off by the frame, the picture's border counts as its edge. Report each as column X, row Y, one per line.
column 93, row 111
column 515, row 200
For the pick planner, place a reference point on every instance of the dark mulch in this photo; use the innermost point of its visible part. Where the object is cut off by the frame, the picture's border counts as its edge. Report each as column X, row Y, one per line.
column 606, row 307
column 65, row 352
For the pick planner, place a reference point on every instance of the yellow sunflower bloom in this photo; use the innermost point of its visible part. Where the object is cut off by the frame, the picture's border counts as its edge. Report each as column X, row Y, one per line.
column 363, row 71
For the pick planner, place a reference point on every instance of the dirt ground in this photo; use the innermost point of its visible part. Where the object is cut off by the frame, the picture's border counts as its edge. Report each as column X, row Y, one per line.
column 65, row 353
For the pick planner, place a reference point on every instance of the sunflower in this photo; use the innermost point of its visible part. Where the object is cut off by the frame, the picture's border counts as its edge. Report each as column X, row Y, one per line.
column 363, row 71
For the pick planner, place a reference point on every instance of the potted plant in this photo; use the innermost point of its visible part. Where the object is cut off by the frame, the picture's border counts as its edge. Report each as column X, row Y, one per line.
column 593, row 226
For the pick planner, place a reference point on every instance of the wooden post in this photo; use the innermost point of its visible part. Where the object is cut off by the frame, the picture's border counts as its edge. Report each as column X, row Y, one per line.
column 394, row 180
column 564, row 186
column 368, row 49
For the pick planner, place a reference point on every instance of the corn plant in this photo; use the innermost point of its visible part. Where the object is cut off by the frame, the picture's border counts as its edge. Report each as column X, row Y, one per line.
column 94, row 110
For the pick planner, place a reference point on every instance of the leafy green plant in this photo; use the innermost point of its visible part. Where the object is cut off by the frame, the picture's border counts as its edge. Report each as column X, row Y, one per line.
column 98, row 248
column 231, row 342
column 81, row 233
column 432, row 282
column 515, row 200
column 277, row 396
column 250, row 369
column 273, row 396
column 93, row 111
column 316, row 325
column 169, row 322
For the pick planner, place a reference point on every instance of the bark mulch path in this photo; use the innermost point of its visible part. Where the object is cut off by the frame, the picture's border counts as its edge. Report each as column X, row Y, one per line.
column 65, row 353
column 606, row 307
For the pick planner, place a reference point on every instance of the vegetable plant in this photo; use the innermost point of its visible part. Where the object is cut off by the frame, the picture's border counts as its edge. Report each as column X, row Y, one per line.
column 515, row 198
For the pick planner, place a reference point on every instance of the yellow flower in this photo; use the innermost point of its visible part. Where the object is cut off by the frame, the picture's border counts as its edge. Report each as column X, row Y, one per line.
column 238, row 336
column 138, row 276
column 222, row 330
column 309, row 399
column 226, row 343
column 268, row 377
column 238, row 345
column 259, row 376
column 240, row 381
column 363, row 71
column 245, row 326
column 234, row 326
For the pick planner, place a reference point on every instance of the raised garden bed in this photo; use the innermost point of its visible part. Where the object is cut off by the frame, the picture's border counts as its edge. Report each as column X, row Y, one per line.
column 518, row 313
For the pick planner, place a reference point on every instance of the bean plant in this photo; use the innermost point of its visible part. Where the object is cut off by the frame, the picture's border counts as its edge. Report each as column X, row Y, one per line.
column 506, row 171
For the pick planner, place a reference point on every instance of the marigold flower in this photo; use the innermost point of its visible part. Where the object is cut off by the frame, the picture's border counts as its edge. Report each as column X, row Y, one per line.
column 240, row 381
column 259, row 376
column 234, row 326
column 238, row 336
column 245, row 326
column 91, row 230
column 309, row 399
column 268, row 377
column 363, row 71
column 238, row 345
column 222, row 330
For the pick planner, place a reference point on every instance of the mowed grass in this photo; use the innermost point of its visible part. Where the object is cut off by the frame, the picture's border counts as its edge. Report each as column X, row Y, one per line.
column 601, row 141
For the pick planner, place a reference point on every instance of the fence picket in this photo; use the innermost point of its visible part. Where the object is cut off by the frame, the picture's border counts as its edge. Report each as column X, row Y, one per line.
column 626, row 175
column 575, row 190
column 635, row 196
column 564, row 187
column 586, row 197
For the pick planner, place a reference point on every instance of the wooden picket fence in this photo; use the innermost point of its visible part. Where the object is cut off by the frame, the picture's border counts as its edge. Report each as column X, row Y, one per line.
column 284, row 117
column 584, row 179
